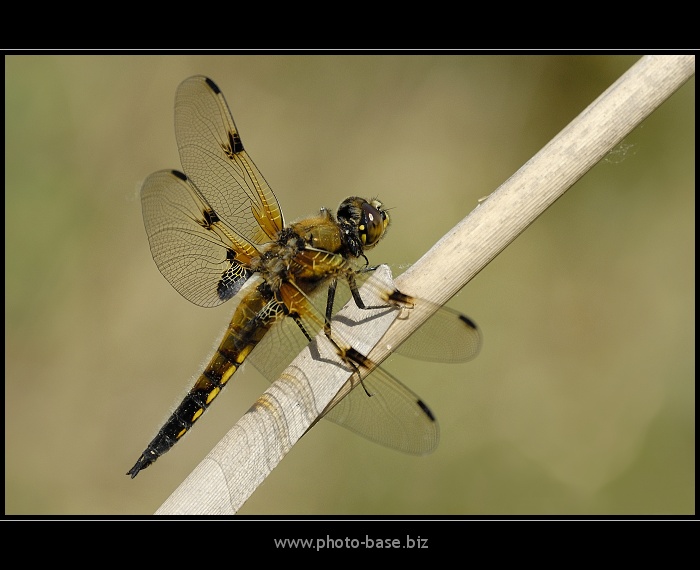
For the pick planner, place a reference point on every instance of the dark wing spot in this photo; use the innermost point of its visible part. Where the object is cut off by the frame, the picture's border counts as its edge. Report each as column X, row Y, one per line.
column 232, row 280
column 234, row 140
column 399, row 297
column 426, row 409
column 210, row 218
column 467, row 321
column 213, row 86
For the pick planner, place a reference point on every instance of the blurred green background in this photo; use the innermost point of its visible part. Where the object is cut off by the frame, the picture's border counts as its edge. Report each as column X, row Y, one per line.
column 582, row 400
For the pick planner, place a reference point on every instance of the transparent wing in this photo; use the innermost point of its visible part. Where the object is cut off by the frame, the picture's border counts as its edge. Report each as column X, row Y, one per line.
column 447, row 336
column 280, row 346
column 392, row 416
column 213, row 157
column 200, row 256
column 388, row 413
column 384, row 410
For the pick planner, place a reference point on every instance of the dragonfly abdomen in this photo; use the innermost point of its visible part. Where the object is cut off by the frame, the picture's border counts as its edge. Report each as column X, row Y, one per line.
column 242, row 336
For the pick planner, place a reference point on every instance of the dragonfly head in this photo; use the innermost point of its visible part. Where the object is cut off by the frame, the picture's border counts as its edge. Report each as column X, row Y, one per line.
column 363, row 223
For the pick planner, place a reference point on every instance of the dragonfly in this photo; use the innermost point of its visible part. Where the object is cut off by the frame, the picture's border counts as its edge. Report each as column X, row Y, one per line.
column 217, row 232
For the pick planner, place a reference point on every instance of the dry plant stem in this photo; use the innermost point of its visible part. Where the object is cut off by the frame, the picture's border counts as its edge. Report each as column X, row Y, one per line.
column 249, row 452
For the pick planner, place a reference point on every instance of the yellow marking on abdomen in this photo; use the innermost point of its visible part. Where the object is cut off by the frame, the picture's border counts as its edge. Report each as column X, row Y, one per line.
column 226, row 376
column 244, row 352
column 213, row 394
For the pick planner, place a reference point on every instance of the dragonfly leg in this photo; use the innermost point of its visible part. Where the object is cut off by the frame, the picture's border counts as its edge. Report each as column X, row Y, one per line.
column 300, row 324
column 394, row 299
column 329, row 307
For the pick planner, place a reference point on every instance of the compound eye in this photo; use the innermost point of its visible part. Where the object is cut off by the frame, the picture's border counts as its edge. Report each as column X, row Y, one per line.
column 373, row 223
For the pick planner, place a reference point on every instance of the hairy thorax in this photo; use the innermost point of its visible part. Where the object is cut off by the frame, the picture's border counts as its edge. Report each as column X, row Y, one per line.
column 304, row 253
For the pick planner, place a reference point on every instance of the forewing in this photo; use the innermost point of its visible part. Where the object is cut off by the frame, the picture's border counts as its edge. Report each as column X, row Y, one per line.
column 213, row 157
column 199, row 255
column 447, row 336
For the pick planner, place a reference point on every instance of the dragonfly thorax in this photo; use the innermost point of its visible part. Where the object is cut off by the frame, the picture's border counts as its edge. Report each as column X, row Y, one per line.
column 320, row 232
column 275, row 262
